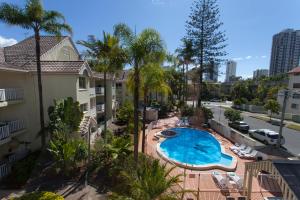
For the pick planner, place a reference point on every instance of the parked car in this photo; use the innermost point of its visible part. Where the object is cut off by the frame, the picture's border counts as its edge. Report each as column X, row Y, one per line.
column 266, row 136
column 276, row 122
column 239, row 125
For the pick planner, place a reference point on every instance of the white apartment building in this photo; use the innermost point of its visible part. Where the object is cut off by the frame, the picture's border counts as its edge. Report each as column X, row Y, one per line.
column 293, row 100
column 230, row 70
column 63, row 75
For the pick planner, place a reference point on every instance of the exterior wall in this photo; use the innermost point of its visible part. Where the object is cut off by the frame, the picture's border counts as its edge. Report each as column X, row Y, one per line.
column 122, row 94
column 64, row 51
column 230, row 70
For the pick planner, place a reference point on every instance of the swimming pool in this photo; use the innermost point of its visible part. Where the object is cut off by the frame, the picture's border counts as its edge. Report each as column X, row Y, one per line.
column 195, row 149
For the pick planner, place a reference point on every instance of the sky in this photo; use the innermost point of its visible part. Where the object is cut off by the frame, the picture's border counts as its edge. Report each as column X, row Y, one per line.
column 249, row 24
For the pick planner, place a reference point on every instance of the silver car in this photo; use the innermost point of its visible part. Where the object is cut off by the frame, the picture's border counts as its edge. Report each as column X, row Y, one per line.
column 266, row 136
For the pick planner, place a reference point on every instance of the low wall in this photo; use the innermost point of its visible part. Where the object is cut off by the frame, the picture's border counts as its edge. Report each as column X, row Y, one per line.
column 234, row 136
column 296, row 118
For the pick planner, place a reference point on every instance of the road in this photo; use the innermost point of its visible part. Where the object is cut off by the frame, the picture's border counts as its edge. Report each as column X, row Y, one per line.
column 292, row 137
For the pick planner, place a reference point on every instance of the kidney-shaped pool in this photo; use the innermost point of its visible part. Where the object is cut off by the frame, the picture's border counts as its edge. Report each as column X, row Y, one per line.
column 196, row 149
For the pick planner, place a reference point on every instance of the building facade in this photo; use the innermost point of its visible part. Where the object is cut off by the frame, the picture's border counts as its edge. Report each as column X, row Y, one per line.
column 260, row 73
column 230, row 70
column 293, row 99
column 212, row 74
column 63, row 75
column 285, row 51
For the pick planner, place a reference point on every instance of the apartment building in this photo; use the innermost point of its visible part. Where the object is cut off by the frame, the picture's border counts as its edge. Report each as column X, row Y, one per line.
column 64, row 75
column 230, row 70
column 293, row 100
column 122, row 94
column 260, row 73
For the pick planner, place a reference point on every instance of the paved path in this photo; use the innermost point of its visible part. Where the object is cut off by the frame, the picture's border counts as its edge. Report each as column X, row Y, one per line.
column 292, row 137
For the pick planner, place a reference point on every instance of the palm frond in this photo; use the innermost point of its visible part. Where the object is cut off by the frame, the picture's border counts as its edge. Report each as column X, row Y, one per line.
column 14, row 15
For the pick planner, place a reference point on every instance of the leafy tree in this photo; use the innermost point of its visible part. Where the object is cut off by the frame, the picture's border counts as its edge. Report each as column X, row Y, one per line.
column 187, row 111
column 203, row 29
column 208, row 114
column 149, row 181
column 125, row 113
column 273, row 106
column 105, row 56
column 65, row 112
column 34, row 17
column 233, row 115
column 144, row 48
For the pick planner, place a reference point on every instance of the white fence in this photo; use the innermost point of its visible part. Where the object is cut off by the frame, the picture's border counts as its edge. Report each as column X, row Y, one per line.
column 4, row 132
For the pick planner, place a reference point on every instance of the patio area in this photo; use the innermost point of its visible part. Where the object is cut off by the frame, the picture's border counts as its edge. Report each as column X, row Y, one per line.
column 200, row 183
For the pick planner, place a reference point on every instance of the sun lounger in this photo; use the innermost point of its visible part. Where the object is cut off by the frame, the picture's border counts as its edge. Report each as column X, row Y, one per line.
column 236, row 151
column 220, row 180
column 236, row 179
column 251, row 155
column 243, row 151
column 242, row 146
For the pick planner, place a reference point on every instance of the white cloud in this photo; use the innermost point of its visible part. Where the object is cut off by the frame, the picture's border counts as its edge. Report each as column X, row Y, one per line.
column 263, row 56
column 7, row 41
column 237, row 59
column 248, row 57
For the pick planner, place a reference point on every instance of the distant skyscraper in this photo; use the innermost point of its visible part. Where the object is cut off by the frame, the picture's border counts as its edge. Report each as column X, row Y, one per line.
column 230, row 70
column 285, row 51
column 260, row 72
column 212, row 74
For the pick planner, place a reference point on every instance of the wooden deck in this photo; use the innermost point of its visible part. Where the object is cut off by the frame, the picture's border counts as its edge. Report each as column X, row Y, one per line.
column 201, row 183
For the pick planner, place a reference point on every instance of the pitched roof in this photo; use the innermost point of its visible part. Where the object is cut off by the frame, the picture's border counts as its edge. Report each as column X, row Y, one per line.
column 24, row 51
column 123, row 75
column 56, row 66
column 295, row 70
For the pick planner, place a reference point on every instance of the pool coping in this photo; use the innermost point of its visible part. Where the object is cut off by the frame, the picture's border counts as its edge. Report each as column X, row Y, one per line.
column 232, row 167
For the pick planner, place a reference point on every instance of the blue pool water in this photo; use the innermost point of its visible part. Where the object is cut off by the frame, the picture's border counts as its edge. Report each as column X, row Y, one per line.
column 194, row 147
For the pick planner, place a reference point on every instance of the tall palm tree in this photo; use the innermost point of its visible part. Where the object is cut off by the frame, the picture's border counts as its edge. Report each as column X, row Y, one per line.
column 152, row 79
column 34, row 17
column 105, row 56
column 146, row 47
column 186, row 54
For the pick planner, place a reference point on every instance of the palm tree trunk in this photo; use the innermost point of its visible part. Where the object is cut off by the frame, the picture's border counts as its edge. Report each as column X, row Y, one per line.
column 144, row 121
column 136, row 112
column 194, row 95
column 105, row 106
column 40, row 87
column 186, row 82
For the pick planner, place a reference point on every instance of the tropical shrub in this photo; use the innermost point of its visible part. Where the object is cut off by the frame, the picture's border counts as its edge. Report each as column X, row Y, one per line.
column 237, row 102
column 40, row 196
column 65, row 112
column 257, row 102
column 125, row 113
column 187, row 111
column 233, row 115
column 208, row 114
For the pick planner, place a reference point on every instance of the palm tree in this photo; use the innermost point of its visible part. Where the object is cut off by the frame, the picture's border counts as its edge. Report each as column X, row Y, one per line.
column 152, row 79
column 146, row 47
column 152, row 181
column 34, row 17
column 186, row 54
column 105, row 56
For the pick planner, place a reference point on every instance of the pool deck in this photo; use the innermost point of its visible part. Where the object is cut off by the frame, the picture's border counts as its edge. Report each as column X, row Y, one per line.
column 263, row 186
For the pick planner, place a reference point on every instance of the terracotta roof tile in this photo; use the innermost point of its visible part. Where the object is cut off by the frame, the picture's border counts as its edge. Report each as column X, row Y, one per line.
column 295, row 70
column 56, row 66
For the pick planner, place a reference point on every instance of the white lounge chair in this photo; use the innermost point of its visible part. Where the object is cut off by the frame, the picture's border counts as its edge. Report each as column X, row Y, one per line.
column 236, row 151
column 245, row 151
column 236, row 179
column 220, row 180
column 240, row 147
column 251, row 155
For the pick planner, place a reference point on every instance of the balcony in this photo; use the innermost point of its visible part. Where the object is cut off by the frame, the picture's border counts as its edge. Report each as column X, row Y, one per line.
column 92, row 92
column 100, row 108
column 11, row 96
column 5, row 169
column 99, row 90
column 10, row 129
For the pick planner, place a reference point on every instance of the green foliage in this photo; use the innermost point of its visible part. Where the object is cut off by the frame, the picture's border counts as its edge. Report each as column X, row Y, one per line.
column 21, row 171
column 237, row 102
column 187, row 111
column 148, row 180
column 65, row 112
column 208, row 114
column 233, row 115
column 40, row 196
column 67, row 152
column 256, row 102
column 125, row 113
column 273, row 106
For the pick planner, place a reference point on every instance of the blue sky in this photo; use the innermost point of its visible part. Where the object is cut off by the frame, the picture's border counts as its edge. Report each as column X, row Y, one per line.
column 249, row 24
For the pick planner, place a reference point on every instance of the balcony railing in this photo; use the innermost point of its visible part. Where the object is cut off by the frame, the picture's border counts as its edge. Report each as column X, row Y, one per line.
column 16, row 125
column 4, row 132
column 5, row 169
column 92, row 91
column 8, row 128
column 11, row 94
column 100, row 107
column 99, row 90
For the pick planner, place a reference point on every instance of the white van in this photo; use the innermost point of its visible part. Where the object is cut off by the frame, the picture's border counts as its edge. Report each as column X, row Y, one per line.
column 266, row 136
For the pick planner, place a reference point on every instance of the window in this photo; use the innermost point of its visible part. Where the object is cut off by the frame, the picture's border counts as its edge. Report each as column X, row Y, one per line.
column 294, row 106
column 296, row 96
column 82, row 83
column 296, row 85
column 118, row 85
column 84, row 107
